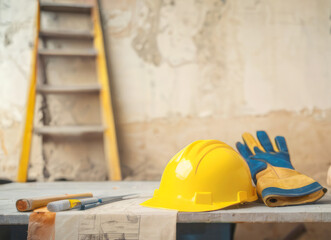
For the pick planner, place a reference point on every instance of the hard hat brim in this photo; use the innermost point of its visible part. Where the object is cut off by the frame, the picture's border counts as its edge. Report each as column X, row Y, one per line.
column 188, row 206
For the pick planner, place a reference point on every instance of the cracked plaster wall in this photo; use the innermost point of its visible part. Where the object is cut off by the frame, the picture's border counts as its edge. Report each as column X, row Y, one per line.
column 16, row 41
column 181, row 71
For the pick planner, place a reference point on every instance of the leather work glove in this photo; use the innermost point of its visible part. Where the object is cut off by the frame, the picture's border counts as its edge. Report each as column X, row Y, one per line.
column 277, row 182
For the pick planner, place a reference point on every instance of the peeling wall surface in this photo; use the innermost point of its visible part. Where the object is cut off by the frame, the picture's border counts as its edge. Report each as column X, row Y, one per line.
column 188, row 70
column 16, row 42
column 180, row 71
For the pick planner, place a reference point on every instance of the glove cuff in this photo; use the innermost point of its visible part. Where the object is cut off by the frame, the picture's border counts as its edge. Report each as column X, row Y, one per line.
column 281, row 186
column 296, row 192
column 277, row 197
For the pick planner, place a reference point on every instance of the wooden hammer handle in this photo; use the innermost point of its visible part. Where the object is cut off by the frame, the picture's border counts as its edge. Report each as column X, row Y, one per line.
column 29, row 204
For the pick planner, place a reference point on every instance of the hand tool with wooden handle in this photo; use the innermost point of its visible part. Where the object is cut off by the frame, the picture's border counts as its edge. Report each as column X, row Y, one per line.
column 29, row 204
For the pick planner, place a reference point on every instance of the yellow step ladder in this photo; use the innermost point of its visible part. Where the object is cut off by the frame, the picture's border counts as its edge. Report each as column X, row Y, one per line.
column 102, row 88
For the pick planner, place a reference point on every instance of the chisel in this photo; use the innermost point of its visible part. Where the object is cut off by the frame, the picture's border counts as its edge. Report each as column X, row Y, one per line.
column 83, row 204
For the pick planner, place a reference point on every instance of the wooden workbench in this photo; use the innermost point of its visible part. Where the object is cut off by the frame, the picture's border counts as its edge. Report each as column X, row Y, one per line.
column 252, row 212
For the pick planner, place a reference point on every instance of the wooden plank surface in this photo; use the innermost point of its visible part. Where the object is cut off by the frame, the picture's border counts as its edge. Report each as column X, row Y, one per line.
column 253, row 212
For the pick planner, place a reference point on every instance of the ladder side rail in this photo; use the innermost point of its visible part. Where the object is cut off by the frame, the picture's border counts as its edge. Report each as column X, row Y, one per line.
column 110, row 140
column 28, row 128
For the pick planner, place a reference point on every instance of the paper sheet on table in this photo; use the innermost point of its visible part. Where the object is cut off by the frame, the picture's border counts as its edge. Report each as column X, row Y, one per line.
column 118, row 220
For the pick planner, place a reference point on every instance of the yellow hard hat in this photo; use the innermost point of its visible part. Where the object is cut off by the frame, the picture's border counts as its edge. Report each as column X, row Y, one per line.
column 206, row 175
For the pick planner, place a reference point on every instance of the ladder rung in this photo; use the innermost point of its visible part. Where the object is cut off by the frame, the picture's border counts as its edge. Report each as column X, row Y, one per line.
column 66, row 34
column 60, row 7
column 67, row 53
column 68, row 89
column 77, row 131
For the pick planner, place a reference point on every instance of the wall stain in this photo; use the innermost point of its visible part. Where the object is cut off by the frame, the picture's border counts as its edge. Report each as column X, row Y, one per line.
column 145, row 43
column 207, row 40
column 119, row 18
column 3, row 146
